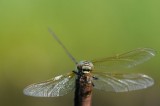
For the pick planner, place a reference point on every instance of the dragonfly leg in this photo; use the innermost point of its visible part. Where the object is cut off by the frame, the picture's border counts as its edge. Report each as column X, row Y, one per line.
column 93, row 84
column 95, row 78
column 75, row 72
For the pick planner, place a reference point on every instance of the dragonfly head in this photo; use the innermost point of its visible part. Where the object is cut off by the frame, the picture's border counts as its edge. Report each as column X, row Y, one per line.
column 85, row 66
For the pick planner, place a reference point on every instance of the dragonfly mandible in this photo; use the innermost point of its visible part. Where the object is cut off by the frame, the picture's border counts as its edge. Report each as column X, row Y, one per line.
column 87, row 74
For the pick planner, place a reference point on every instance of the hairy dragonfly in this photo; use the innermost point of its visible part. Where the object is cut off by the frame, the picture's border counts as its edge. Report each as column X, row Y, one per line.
column 95, row 74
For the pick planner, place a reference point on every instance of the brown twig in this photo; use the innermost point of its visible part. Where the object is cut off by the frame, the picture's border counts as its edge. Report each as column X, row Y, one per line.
column 83, row 92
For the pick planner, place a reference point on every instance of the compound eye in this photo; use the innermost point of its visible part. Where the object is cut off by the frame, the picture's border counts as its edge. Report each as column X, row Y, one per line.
column 79, row 67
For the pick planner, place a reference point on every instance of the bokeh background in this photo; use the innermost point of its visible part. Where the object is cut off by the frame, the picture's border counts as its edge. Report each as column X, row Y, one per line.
column 90, row 29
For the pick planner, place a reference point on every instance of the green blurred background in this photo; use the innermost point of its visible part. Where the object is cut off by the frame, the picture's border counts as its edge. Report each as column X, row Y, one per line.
column 90, row 29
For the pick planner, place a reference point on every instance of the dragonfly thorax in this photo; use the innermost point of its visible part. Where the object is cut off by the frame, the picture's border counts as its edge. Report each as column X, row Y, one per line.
column 85, row 66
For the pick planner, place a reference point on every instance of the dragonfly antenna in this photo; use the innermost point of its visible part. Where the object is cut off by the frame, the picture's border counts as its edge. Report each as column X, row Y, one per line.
column 62, row 45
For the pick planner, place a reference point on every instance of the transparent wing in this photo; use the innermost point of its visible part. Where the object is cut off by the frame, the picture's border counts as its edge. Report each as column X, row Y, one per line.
column 54, row 87
column 117, row 82
column 126, row 60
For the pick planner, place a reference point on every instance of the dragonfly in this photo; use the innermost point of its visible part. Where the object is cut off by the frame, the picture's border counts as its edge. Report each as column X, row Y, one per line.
column 95, row 74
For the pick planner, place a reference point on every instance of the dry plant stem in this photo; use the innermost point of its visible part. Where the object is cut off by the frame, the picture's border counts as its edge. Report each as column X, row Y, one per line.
column 86, row 101
column 83, row 91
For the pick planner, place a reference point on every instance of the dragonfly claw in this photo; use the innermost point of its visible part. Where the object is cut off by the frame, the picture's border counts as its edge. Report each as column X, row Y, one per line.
column 75, row 72
column 95, row 78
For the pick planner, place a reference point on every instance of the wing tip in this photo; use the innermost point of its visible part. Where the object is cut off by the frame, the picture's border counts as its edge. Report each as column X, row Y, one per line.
column 151, row 51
